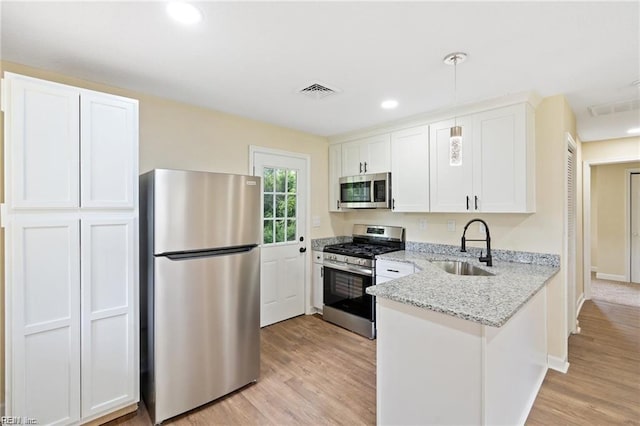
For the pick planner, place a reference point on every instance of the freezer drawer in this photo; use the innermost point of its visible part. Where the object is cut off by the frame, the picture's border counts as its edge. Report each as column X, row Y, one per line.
column 206, row 341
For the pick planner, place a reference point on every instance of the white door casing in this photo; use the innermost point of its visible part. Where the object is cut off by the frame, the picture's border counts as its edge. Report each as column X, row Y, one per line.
column 634, row 212
column 284, row 283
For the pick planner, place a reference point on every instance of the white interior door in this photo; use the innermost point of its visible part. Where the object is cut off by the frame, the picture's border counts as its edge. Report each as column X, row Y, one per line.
column 635, row 227
column 282, row 276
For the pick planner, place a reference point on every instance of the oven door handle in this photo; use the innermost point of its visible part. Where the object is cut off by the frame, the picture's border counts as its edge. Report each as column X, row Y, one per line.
column 347, row 268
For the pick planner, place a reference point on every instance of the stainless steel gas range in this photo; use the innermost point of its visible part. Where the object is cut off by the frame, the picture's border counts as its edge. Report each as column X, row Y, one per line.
column 349, row 269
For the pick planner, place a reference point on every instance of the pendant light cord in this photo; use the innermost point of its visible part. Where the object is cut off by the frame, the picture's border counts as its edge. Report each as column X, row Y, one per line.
column 455, row 89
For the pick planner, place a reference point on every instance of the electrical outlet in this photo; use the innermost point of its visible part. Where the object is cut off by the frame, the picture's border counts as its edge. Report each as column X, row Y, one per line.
column 423, row 224
column 451, row 225
column 316, row 221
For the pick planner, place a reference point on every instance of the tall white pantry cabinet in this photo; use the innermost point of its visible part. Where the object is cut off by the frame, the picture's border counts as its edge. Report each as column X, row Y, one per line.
column 71, row 252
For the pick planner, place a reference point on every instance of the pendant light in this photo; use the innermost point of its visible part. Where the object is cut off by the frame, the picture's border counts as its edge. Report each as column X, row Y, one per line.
column 455, row 135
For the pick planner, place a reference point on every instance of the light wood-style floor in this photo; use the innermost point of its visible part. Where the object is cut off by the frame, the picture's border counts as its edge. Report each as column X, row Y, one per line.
column 602, row 386
column 315, row 373
column 311, row 373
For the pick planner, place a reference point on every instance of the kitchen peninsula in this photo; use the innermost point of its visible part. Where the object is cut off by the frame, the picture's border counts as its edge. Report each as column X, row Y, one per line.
column 460, row 349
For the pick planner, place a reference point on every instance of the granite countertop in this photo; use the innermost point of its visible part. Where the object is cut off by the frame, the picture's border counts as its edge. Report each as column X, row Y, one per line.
column 488, row 300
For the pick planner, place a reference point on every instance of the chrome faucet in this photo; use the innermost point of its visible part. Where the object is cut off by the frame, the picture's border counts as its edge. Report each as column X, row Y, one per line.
column 486, row 259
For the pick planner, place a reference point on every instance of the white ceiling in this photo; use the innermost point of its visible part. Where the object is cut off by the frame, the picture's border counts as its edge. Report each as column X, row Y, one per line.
column 251, row 58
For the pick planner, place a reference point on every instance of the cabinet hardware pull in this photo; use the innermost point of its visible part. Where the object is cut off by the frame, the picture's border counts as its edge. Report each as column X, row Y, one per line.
column 338, row 204
column 467, row 202
column 360, row 167
column 393, row 204
column 365, row 167
column 476, row 201
column 393, row 270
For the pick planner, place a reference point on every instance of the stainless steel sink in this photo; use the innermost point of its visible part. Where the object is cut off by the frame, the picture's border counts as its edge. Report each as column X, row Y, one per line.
column 458, row 267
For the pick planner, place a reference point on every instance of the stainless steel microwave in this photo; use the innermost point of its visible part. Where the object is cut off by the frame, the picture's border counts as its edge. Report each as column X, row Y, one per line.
column 366, row 191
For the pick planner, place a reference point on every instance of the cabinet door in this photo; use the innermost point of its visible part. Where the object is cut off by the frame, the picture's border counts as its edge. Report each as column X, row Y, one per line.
column 42, row 140
column 410, row 170
column 376, row 154
column 500, row 180
column 351, row 161
column 109, row 314
column 109, row 151
column 317, row 283
column 450, row 186
column 43, row 316
column 335, row 172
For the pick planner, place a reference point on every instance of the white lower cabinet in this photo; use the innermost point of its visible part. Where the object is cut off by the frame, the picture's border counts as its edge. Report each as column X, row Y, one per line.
column 317, row 281
column 43, row 323
column 109, row 322
column 387, row 270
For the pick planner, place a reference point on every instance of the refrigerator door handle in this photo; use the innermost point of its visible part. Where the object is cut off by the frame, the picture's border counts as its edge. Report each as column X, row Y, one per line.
column 225, row 251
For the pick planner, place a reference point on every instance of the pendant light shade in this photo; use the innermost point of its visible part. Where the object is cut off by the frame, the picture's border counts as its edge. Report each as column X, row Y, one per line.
column 455, row 136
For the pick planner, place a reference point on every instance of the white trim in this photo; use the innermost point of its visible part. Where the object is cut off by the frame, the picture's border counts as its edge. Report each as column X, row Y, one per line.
column 253, row 149
column 557, row 364
column 569, row 288
column 580, row 303
column 594, row 269
column 532, row 398
column 612, row 277
column 531, row 98
column 627, row 222
column 586, row 214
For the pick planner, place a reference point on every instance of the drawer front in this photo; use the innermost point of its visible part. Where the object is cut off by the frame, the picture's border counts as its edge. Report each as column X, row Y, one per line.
column 390, row 269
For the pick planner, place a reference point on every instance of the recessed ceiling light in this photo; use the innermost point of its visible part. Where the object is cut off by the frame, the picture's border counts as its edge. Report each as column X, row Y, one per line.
column 634, row 130
column 184, row 13
column 389, row 104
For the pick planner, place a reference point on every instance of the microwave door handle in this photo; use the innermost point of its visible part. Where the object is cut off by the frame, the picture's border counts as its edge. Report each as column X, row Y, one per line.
column 372, row 191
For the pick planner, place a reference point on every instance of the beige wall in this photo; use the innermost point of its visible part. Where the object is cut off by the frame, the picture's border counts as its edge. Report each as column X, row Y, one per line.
column 611, row 150
column 539, row 232
column 610, row 192
column 181, row 136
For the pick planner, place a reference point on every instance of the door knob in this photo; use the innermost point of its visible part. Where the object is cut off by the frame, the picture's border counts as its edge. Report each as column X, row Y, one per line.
column 303, row 249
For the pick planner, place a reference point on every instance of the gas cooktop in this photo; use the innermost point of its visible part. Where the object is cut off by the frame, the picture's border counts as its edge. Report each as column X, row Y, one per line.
column 367, row 251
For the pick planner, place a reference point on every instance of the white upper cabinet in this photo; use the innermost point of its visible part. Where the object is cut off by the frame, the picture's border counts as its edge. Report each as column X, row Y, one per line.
column 504, row 181
column 109, row 151
column 410, row 170
column 497, row 172
column 367, row 156
column 58, row 136
column 451, row 186
column 42, row 144
column 335, row 172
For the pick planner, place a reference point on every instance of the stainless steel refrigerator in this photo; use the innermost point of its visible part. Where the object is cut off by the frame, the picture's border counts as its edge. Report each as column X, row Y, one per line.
column 199, row 287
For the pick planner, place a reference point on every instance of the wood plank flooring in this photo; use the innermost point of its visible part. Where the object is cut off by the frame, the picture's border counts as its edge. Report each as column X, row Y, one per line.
column 602, row 386
column 311, row 373
column 315, row 373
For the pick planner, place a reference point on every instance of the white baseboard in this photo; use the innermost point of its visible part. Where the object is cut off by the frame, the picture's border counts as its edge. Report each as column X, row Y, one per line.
column 557, row 364
column 594, row 269
column 611, row 277
column 581, row 300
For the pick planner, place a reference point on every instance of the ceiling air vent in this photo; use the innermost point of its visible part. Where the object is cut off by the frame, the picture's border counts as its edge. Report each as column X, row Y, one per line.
column 614, row 107
column 318, row 90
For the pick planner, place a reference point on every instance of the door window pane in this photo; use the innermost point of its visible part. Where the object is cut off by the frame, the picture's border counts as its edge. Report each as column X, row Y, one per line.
column 268, row 232
column 268, row 205
column 280, row 205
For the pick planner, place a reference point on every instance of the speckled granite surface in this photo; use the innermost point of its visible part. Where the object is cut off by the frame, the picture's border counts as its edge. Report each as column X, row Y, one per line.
column 319, row 243
column 497, row 254
column 486, row 300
